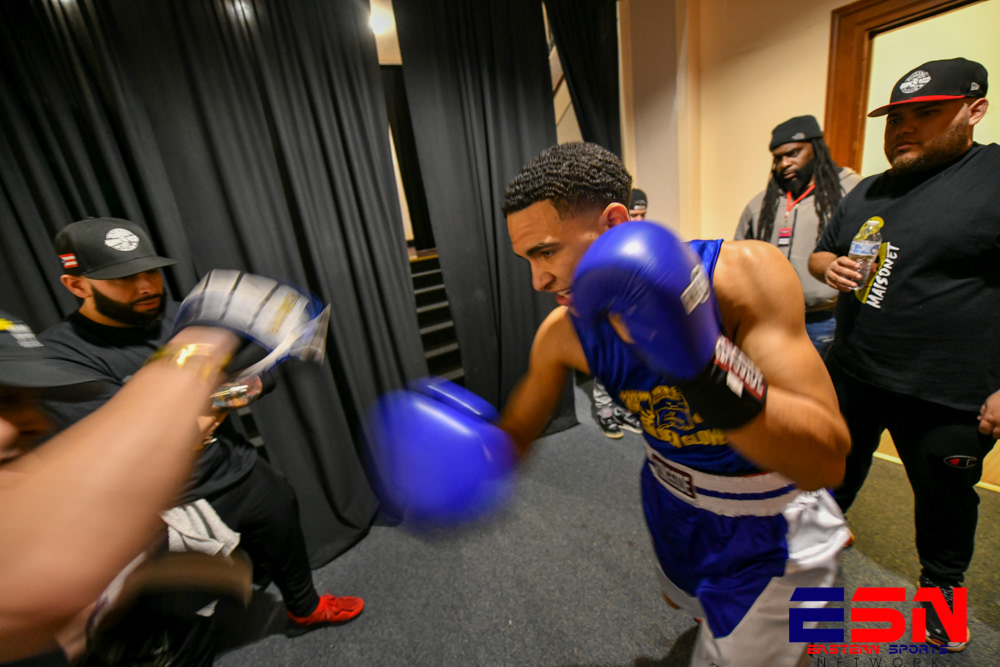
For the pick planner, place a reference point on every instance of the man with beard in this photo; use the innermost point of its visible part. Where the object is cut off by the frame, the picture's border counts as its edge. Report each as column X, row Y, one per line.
column 808, row 185
column 111, row 265
column 915, row 350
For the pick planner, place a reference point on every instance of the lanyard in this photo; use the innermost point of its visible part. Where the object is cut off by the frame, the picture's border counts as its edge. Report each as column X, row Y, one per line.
column 786, row 233
column 789, row 204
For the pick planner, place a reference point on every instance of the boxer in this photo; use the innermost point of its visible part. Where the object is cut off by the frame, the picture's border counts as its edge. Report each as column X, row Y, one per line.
column 706, row 341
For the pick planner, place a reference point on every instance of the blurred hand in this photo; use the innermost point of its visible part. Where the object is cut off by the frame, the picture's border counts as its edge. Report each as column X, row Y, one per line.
column 238, row 394
column 989, row 416
column 842, row 274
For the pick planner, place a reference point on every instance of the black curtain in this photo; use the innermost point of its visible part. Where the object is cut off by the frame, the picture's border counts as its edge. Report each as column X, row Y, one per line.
column 586, row 35
column 480, row 93
column 246, row 134
column 406, row 156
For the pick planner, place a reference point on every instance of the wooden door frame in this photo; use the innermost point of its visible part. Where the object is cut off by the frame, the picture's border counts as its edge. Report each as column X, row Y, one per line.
column 852, row 29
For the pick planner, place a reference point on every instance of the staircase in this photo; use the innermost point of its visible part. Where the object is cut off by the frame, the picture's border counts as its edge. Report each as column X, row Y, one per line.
column 437, row 330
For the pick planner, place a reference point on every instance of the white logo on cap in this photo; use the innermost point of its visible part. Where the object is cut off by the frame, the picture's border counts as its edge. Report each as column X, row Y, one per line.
column 798, row 136
column 915, row 82
column 121, row 239
column 974, row 86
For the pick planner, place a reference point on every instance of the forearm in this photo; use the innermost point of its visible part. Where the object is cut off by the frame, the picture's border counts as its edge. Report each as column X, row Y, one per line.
column 90, row 502
column 529, row 409
column 798, row 437
column 818, row 264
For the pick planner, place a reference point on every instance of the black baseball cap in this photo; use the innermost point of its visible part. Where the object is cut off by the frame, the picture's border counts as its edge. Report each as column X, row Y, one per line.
column 26, row 364
column 935, row 81
column 106, row 248
column 800, row 128
column 637, row 200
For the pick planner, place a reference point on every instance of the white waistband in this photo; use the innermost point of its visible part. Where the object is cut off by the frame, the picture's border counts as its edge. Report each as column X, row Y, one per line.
column 761, row 494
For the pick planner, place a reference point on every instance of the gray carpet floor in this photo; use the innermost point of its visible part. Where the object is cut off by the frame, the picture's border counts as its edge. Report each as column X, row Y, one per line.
column 564, row 576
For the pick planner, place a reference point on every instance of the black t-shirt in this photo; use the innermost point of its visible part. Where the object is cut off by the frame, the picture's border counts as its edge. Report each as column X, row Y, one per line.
column 113, row 354
column 927, row 324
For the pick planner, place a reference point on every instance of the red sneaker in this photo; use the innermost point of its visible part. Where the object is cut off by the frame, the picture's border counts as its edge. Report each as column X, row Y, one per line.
column 331, row 610
column 850, row 539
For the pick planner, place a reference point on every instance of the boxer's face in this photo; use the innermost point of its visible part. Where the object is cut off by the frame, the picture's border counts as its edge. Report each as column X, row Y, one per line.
column 553, row 245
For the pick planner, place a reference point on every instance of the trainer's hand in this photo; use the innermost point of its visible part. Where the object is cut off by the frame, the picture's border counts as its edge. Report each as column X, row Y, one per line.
column 238, row 394
column 438, row 453
column 843, row 274
column 657, row 293
column 989, row 416
column 281, row 319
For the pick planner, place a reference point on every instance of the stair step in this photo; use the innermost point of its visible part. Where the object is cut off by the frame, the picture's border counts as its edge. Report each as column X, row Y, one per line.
column 444, row 359
column 437, row 329
column 418, row 264
column 441, row 350
column 438, row 334
column 427, row 279
column 445, row 366
column 428, row 295
column 434, row 328
column 433, row 314
column 457, row 376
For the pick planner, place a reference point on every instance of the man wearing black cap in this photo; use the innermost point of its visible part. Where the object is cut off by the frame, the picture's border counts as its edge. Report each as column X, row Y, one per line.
column 86, row 484
column 916, row 345
column 637, row 205
column 806, row 185
column 112, row 266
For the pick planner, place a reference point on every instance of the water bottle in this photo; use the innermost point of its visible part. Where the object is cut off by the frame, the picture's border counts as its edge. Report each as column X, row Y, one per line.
column 864, row 247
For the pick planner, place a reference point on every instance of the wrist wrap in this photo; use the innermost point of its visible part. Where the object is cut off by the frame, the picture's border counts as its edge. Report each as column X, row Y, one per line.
column 730, row 391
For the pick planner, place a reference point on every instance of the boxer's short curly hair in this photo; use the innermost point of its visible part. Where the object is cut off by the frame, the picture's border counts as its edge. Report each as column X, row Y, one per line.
column 574, row 177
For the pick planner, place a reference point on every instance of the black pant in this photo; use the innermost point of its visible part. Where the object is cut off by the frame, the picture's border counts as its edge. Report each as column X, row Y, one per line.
column 262, row 507
column 942, row 452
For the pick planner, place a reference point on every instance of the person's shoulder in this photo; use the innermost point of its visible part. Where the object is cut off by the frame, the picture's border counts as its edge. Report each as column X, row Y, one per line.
column 61, row 333
column 557, row 340
column 748, row 272
column 557, row 326
column 849, row 178
column 753, row 205
column 989, row 152
column 67, row 341
column 746, row 258
column 856, row 185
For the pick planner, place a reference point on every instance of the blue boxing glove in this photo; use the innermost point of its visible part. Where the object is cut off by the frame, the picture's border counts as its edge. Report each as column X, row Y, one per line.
column 438, row 453
column 646, row 275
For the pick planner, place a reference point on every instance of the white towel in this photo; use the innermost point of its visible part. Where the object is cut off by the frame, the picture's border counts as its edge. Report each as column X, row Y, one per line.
column 196, row 527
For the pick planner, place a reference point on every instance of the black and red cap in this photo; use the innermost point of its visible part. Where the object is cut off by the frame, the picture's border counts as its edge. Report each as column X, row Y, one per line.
column 936, row 81
column 106, row 248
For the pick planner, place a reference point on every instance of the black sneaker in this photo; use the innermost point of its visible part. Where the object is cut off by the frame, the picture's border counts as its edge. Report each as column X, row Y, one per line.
column 628, row 421
column 936, row 634
column 609, row 425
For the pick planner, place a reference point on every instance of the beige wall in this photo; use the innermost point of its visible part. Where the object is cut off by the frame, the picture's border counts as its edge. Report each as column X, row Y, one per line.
column 969, row 32
column 651, row 141
column 710, row 79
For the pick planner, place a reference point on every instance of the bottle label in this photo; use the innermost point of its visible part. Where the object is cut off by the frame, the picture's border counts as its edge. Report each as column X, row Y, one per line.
column 866, row 248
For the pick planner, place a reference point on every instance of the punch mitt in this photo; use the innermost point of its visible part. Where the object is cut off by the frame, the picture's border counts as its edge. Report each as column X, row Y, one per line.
column 278, row 317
